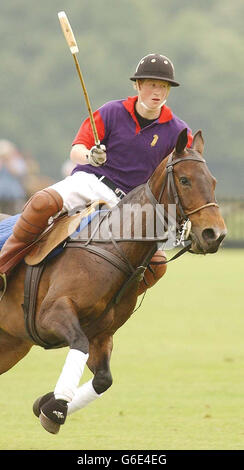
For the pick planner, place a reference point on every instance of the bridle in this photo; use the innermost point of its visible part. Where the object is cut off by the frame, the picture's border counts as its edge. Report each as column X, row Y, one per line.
column 172, row 186
column 169, row 181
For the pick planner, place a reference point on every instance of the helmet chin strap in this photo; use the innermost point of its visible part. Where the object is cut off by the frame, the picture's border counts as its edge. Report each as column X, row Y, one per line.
column 149, row 109
column 160, row 105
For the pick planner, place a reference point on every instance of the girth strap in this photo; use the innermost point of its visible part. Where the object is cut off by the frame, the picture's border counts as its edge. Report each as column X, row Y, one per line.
column 113, row 259
column 32, row 279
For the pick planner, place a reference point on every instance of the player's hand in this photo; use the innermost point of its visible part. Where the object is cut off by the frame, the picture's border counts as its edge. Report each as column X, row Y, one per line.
column 97, row 155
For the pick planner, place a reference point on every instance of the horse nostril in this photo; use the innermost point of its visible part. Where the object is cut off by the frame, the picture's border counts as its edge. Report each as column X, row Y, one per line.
column 209, row 234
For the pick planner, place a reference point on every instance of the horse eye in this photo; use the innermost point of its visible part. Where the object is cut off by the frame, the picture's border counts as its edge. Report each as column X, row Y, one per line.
column 184, row 181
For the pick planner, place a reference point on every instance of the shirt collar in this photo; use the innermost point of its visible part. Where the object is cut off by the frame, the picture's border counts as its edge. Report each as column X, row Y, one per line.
column 165, row 115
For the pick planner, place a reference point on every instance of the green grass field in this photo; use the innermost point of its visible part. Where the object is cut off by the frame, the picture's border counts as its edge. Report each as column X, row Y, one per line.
column 177, row 365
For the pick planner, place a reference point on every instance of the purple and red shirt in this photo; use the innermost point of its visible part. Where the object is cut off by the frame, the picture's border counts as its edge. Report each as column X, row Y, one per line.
column 133, row 153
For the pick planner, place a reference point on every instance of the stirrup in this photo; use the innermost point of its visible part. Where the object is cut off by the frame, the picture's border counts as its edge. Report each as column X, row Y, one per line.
column 3, row 290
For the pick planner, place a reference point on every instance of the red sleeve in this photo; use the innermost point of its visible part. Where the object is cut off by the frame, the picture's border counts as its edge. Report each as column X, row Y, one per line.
column 190, row 139
column 85, row 134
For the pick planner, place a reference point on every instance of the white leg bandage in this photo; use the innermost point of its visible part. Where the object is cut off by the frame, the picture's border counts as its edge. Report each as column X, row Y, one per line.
column 83, row 396
column 71, row 374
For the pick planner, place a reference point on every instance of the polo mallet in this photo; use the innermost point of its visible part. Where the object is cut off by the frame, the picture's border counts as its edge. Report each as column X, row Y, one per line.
column 70, row 38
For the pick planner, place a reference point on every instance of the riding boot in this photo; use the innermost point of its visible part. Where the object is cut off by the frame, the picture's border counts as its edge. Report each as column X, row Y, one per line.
column 32, row 222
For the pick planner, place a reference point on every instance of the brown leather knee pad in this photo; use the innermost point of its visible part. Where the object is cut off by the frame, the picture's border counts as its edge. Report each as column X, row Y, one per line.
column 156, row 269
column 34, row 218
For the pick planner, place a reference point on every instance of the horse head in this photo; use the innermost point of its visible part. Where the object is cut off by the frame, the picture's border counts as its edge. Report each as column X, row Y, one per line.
column 193, row 187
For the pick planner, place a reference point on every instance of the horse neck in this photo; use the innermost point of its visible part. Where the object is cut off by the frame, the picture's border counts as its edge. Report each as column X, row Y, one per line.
column 134, row 228
column 157, row 181
column 139, row 200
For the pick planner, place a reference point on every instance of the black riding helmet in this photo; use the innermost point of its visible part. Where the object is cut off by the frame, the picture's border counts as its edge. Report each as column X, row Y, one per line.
column 155, row 66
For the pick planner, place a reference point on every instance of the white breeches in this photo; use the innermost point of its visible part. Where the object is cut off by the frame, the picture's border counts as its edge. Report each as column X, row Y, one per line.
column 82, row 188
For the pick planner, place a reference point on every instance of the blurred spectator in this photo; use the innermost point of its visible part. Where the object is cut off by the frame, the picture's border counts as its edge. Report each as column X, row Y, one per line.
column 20, row 178
column 13, row 170
column 35, row 180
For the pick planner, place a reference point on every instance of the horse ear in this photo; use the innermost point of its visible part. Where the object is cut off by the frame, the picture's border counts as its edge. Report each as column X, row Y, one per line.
column 181, row 142
column 198, row 142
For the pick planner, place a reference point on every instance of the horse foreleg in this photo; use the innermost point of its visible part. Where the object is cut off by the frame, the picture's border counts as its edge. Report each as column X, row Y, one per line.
column 12, row 350
column 99, row 359
column 61, row 320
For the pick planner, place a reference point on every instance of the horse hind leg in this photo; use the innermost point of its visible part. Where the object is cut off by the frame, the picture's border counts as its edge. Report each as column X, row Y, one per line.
column 99, row 360
column 12, row 350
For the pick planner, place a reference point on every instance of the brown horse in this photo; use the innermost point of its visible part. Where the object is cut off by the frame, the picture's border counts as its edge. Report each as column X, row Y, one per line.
column 78, row 303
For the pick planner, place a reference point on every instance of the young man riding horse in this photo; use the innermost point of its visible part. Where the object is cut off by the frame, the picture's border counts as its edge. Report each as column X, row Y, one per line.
column 135, row 134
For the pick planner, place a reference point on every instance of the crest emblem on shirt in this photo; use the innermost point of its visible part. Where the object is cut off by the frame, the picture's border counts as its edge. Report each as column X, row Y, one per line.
column 154, row 141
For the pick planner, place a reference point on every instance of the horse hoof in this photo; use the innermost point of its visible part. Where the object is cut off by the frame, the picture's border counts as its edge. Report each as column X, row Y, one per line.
column 48, row 424
column 40, row 402
column 53, row 414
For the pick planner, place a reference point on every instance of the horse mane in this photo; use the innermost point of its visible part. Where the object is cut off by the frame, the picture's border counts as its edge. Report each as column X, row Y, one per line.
column 132, row 195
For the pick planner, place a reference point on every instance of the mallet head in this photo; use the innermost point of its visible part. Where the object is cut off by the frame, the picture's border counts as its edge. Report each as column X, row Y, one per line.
column 68, row 33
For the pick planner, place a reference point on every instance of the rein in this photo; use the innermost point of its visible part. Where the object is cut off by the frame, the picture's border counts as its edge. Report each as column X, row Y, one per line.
column 183, row 227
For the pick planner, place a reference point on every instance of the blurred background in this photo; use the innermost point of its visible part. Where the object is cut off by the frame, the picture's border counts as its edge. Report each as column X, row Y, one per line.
column 195, row 316
column 42, row 105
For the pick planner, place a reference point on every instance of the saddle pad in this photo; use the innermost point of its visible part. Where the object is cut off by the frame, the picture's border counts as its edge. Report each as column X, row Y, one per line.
column 6, row 228
column 62, row 228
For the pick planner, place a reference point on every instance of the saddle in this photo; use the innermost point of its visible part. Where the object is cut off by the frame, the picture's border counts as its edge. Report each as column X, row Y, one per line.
column 61, row 229
column 50, row 242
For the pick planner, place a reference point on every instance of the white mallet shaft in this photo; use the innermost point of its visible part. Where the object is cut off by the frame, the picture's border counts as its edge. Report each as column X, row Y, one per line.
column 70, row 39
